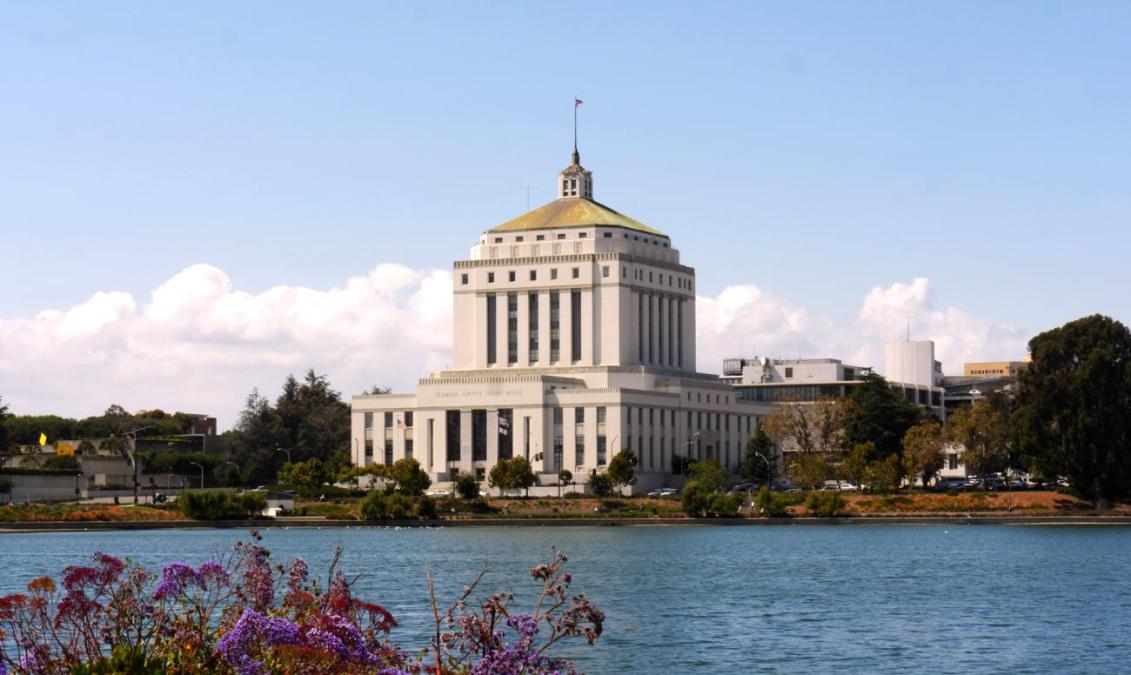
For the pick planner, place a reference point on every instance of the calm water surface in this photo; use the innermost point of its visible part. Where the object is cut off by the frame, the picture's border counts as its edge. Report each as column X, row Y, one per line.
column 869, row 598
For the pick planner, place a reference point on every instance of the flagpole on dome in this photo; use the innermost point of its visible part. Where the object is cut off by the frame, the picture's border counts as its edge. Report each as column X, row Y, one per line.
column 576, row 155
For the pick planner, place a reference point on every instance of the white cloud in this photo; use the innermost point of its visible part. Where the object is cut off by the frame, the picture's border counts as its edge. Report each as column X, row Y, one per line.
column 744, row 320
column 200, row 345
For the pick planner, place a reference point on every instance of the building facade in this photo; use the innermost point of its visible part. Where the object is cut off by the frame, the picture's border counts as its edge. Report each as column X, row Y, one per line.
column 765, row 380
column 573, row 338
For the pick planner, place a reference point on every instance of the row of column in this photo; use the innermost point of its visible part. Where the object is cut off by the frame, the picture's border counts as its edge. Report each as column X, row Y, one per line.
column 662, row 326
column 565, row 352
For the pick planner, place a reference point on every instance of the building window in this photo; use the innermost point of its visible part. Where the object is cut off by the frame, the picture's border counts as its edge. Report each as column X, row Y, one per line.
column 453, row 435
column 789, row 372
column 408, row 448
column 478, row 435
column 389, row 452
column 388, row 420
column 579, row 447
column 576, row 273
column 490, row 277
column 601, row 412
column 408, row 418
column 608, row 235
column 512, row 327
column 583, row 235
column 498, row 240
column 602, row 449
column 491, row 323
column 533, row 275
column 369, row 451
column 463, row 279
column 532, row 312
column 510, row 275
column 561, row 236
column 506, row 433
column 605, row 271
column 557, row 436
column 553, row 273
column 368, row 420
column 575, row 329
column 555, row 327
column 952, row 461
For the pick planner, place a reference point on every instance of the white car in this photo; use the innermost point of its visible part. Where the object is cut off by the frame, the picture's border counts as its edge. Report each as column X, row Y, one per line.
column 439, row 493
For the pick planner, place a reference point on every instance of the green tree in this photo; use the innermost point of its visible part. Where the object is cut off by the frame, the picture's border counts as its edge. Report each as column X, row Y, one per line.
column 600, row 484
column 810, row 470
column 466, row 486
column 923, row 451
column 982, row 428
column 308, row 474
column 3, row 426
column 1073, row 414
column 884, row 475
column 709, row 475
column 622, row 469
column 565, row 477
column 758, row 458
column 878, row 414
column 854, row 467
column 408, row 478
column 511, row 474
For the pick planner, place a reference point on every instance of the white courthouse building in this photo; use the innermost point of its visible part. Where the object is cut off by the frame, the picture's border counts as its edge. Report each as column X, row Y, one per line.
column 573, row 338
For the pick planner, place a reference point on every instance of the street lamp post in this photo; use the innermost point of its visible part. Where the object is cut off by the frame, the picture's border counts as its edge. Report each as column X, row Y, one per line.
column 132, row 454
column 285, row 450
column 201, row 472
column 687, row 445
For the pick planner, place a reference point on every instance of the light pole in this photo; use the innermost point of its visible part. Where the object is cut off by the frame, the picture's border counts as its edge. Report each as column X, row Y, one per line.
column 233, row 464
column 687, row 445
column 131, row 452
column 769, row 467
column 288, row 452
column 201, row 472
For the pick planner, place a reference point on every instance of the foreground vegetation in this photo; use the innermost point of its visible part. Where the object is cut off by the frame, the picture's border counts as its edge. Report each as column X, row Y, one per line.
column 245, row 613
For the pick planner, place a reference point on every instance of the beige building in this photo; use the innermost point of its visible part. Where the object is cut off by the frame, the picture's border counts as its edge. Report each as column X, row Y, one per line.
column 574, row 338
column 994, row 368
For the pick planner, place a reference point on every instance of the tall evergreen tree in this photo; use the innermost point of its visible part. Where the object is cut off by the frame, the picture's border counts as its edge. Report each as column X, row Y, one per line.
column 1073, row 414
column 880, row 415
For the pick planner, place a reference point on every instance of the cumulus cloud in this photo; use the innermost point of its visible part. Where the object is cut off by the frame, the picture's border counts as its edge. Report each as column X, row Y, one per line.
column 745, row 320
column 198, row 344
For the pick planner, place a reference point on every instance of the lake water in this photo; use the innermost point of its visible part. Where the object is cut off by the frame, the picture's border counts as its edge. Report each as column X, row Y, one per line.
column 861, row 598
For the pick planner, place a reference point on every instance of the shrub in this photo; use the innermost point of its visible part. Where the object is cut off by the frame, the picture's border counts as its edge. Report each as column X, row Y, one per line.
column 378, row 505
column 466, row 486
column 220, row 505
column 601, row 485
column 770, row 503
column 700, row 503
column 824, row 504
column 721, row 505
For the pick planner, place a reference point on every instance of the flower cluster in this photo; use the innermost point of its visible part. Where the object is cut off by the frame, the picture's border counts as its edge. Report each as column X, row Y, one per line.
column 224, row 616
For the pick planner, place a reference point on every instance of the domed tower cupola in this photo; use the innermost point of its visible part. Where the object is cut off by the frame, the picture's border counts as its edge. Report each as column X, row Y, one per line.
column 575, row 180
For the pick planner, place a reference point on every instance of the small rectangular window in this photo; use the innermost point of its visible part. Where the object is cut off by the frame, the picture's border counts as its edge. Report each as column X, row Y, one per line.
column 540, row 237
column 608, row 235
column 510, row 275
column 561, row 236
column 490, row 277
column 463, row 279
column 519, row 238
column 533, row 275
column 789, row 372
column 388, row 420
column 583, row 235
column 576, row 273
column 498, row 240
column 605, row 271
column 554, row 273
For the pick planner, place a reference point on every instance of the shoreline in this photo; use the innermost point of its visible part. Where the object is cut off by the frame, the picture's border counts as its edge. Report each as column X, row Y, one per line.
column 286, row 523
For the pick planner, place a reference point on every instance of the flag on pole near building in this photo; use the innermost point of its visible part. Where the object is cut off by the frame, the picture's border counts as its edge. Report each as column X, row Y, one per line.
column 504, row 426
column 400, row 423
column 577, row 101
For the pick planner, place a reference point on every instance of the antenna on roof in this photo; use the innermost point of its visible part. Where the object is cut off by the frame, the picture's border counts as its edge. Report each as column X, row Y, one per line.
column 528, row 188
column 909, row 326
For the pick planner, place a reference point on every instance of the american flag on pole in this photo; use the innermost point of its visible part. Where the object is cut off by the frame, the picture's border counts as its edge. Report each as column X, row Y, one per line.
column 400, row 423
column 577, row 101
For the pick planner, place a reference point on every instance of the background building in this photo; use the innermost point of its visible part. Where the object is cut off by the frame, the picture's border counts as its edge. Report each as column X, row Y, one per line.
column 766, row 380
column 574, row 338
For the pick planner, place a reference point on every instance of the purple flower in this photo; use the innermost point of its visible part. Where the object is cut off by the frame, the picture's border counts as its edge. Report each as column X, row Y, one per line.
column 212, row 571
column 176, row 577
column 251, row 632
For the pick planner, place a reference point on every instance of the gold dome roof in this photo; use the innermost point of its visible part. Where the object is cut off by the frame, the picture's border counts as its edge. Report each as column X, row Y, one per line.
column 573, row 212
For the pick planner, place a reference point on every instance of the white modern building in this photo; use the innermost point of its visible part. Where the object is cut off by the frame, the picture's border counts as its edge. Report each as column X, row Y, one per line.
column 765, row 380
column 911, row 366
column 574, row 338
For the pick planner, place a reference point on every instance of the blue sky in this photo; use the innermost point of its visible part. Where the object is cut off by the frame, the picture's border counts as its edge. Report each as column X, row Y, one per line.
column 816, row 150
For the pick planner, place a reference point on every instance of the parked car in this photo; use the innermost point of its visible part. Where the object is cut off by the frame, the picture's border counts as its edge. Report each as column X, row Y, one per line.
column 949, row 484
column 845, row 486
column 742, row 488
column 439, row 493
column 784, row 486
